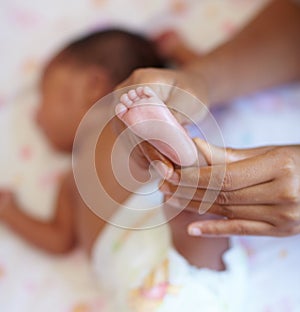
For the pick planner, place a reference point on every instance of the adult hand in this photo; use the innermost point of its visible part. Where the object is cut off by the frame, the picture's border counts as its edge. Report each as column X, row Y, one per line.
column 259, row 193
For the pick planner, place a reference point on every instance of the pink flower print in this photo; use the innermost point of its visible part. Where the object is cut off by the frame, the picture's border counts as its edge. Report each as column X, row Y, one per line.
column 26, row 152
column 96, row 305
column 2, row 271
column 283, row 253
column 2, row 102
column 24, row 18
column 30, row 65
column 179, row 7
column 229, row 27
column 98, row 3
column 31, row 286
column 81, row 307
column 49, row 179
column 156, row 292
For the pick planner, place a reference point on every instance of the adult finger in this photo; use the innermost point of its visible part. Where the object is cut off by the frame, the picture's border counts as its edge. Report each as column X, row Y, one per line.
column 231, row 176
column 231, row 227
column 267, row 213
column 265, row 193
column 163, row 166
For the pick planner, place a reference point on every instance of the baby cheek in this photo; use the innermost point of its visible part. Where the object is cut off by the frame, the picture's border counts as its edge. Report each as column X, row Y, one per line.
column 48, row 122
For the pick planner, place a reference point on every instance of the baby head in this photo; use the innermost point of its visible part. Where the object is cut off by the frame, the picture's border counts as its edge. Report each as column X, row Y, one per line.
column 82, row 73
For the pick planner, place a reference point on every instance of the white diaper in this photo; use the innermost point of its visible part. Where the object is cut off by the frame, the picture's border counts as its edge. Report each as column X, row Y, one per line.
column 140, row 271
column 192, row 289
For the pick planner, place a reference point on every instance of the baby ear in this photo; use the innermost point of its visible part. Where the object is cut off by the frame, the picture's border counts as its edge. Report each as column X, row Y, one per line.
column 98, row 84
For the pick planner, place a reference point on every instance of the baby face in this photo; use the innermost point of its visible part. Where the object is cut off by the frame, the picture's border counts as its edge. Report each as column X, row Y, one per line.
column 65, row 98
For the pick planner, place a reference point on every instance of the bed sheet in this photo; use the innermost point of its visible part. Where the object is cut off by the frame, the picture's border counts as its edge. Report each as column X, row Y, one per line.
column 31, row 31
column 268, row 118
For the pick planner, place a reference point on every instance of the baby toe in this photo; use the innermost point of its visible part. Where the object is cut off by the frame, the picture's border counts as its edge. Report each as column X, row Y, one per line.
column 149, row 92
column 120, row 109
column 124, row 99
column 133, row 95
column 140, row 92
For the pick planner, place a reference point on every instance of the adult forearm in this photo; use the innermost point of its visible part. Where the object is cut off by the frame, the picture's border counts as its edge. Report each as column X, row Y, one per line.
column 264, row 54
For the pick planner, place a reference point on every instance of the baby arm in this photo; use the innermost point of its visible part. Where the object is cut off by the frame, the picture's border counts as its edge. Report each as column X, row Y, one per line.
column 56, row 235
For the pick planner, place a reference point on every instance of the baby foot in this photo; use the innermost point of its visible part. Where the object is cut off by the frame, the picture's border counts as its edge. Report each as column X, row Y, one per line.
column 149, row 118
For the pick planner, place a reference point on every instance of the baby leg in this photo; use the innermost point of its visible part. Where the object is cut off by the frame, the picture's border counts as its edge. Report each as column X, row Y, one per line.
column 149, row 118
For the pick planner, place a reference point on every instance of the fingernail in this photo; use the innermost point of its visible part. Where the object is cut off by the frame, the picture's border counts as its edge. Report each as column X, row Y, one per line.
column 194, row 231
column 204, row 207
